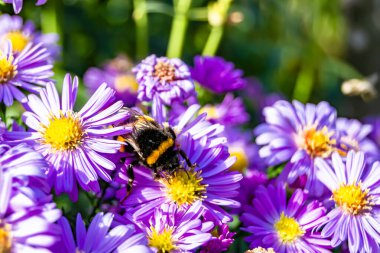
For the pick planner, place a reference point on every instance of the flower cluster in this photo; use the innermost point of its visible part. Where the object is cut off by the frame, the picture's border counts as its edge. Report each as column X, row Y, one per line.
column 153, row 163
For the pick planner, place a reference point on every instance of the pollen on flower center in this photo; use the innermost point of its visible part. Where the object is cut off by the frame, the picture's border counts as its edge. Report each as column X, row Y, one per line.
column 162, row 241
column 64, row 133
column 126, row 83
column 241, row 159
column 185, row 188
column 7, row 69
column 352, row 199
column 164, row 71
column 5, row 240
column 288, row 229
column 18, row 40
column 317, row 143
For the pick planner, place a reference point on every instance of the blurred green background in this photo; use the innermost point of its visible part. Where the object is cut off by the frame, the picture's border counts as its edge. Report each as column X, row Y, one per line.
column 302, row 49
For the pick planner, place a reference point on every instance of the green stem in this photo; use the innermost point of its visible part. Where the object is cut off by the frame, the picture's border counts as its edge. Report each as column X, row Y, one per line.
column 304, row 85
column 213, row 41
column 49, row 19
column 141, row 19
column 178, row 30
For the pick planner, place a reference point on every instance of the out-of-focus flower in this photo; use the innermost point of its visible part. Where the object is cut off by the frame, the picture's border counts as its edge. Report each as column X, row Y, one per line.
column 17, row 4
column 165, row 79
column 74, row 143
column 100, row 237
column 118, row 75
column 2, row 129
column 375, row 133
column 261, row 250
column 171, row 229
column 20, row 35
column 216, row 74
column 356, row 196
column 230, row 112
column 28, row 70
column 27, row 215
column 221, row 240
column 210, row 181
column 297, row 134
column 353, row 135
column 285, row 226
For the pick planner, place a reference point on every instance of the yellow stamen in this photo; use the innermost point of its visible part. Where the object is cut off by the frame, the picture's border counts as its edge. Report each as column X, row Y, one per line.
column 352, row 199
column 18, row 40
column 185, row 188
column 126, row 83
column 7, row 69
column 241, row 159
column 317, row 143
column 5, row 240
column 162, row 241
column 288, row 229
column 212, row 112
column 164, row 71
column 63, row 133
column 153, row 157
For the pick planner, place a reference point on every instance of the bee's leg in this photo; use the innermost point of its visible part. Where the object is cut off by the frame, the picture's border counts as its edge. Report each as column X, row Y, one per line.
column 188, row 162
column 131, row 178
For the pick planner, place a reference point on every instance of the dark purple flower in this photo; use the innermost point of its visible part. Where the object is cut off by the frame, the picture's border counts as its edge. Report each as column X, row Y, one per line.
column 285, row 226
column 165, row 79
column 118, row 75
column 355, row 194
column 216, row 74
column 220, row 242
column 17, row 4
column 74, row 143
column 100, row 237
column 375, row 133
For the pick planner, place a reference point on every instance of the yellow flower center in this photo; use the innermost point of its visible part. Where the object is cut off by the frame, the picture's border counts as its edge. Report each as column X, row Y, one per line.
column 126, row 83
column 64, row 133
column 164, row 71
column 212, row 112
column 7, row 69
column 185, row 188
column 352, row 199
column 18, row 40
column 5, row 240
column 163, row 241
column 241, row 159
column 288, row 229
column 317, row 143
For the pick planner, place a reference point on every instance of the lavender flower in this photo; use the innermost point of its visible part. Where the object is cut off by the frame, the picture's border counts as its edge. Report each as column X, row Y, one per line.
column 216, row 74
column 173, row 230
column 164, row 79
column 74, row 143
column 17, row 4
column 285, row 226
column 100, row 237
column 26, row 215
column 19, row 34
column 118, row 75
column 297, row 134
column 375, row 133
column 220, row 242
column 28, row 70
column 355, row 193
column 210, row 181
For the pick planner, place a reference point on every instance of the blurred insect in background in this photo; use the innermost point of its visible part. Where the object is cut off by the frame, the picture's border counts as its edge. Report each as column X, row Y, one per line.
column 361, row 87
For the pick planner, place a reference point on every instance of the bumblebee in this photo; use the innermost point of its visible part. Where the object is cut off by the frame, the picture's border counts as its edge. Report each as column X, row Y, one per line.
column 154, row 146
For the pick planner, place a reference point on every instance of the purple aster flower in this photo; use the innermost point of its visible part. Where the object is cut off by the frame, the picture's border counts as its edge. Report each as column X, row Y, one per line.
column 19, row 34
column 355, row 194
column 285, row 226
column 230, row 112
column 2, row 130
column 210, row 180
column 375, row 133
column 171, row 229
column 216, row 74
column 163, row 80
column 26, row 215
column 118, row 75
column 28, row 70
column 297, row 134
column 17, row 4
column 100, row 237
column 74, row 143
column 220, row 242
column 353, row 135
